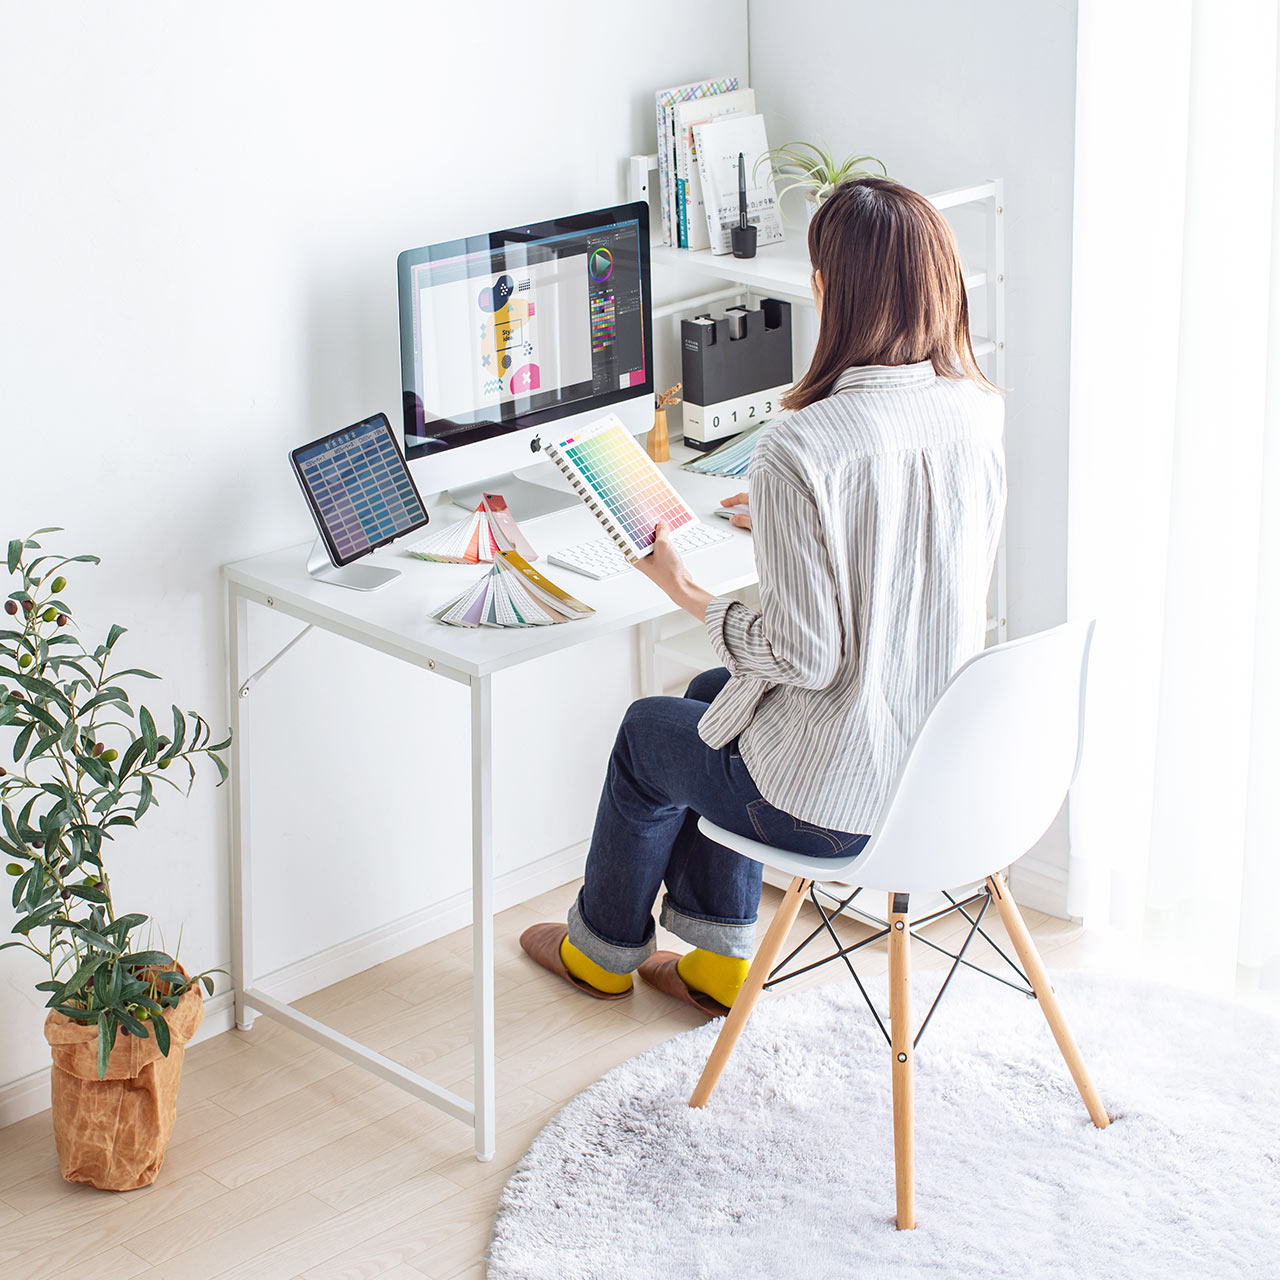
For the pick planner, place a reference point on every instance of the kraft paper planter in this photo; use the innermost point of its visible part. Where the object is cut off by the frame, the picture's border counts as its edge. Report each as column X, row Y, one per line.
column 113, row 1133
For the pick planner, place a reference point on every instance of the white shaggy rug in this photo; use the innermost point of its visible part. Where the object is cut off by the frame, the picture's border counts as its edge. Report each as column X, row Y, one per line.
column 789, row 1171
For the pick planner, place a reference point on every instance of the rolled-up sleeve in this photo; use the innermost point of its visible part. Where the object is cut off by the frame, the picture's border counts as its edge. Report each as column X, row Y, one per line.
column 795, row 637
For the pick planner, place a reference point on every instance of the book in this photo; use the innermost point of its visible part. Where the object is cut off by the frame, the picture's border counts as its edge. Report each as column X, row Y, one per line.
column 620, row 484
column 478, row 540
column 664, row 99
column 719, row 143
column 512, row 594
column 693, row 217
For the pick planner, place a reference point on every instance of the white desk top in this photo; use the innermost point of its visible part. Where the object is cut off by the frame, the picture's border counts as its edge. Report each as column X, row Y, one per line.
column 396, row 620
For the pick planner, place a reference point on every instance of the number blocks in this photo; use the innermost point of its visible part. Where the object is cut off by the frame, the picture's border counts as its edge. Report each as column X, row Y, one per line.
column 736, row 369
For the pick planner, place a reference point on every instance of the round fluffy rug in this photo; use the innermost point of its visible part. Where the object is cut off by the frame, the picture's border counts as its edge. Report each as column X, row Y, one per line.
column 789, row 1171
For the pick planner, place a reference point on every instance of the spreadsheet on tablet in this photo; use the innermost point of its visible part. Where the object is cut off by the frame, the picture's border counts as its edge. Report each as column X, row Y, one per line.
column 359, row 488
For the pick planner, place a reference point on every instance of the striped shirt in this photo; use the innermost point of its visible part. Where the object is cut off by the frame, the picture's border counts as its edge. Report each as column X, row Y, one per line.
column 875, row 513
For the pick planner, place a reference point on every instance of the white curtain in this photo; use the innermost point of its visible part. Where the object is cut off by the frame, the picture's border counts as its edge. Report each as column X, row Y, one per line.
column 1174, row 518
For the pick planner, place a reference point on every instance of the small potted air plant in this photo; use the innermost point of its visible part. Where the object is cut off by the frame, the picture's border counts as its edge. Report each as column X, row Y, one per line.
column 813, row 169
column 82, row 765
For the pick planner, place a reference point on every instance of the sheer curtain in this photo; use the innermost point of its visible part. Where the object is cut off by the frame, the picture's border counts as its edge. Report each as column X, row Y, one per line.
column 1174, row 527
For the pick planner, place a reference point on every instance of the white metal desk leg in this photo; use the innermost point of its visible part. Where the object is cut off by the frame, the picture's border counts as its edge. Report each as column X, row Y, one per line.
column 241, row 864
column 647, row 636
column 482, row 910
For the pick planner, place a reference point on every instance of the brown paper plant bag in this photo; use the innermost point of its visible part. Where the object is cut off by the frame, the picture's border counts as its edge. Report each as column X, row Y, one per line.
column 113, row 1132
column 88, row 763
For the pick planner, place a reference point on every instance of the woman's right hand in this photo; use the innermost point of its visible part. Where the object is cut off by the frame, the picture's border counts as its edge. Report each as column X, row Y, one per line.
column 738, row 500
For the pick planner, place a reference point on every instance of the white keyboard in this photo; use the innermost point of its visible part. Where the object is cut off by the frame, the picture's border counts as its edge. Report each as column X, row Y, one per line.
column 600, row 558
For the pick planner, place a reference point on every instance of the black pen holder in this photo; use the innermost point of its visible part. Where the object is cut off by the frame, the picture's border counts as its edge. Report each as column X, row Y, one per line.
column 743, row 240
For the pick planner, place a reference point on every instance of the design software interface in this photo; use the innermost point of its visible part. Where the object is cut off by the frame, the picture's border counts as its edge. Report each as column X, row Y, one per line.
column 501, row 333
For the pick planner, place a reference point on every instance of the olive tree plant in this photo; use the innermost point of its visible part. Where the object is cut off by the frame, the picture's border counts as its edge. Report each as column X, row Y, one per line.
column 85, row 766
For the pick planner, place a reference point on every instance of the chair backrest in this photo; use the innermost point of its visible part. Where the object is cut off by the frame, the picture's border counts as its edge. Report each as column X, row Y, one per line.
column 988, row 768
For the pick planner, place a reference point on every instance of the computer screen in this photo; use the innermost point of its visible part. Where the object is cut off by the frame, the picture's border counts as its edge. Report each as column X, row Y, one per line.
column 511, row 329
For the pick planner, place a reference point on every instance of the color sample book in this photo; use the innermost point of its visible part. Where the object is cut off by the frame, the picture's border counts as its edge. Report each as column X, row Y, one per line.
column 620, row 484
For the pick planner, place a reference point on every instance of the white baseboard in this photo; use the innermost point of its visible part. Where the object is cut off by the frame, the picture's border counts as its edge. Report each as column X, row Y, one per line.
column 30, row 1094
column 1039, row 885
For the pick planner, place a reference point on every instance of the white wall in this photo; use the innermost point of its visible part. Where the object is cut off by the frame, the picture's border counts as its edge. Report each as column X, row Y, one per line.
column 947, row 94
column 202, row 211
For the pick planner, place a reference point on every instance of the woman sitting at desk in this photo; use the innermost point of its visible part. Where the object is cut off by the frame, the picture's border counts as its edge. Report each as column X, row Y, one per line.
column 876, row 508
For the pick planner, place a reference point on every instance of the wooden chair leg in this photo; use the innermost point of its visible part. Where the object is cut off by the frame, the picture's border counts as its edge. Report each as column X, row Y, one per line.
column 736, row 1019
column 1023, row 944
column 900, row 1040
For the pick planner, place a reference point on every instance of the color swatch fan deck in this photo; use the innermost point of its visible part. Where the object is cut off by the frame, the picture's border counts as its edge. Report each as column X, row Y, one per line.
column 512, row 594
column 491, row 529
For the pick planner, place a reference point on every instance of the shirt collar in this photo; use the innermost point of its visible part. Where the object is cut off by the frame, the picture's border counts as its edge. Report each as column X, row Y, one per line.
column 868, row 377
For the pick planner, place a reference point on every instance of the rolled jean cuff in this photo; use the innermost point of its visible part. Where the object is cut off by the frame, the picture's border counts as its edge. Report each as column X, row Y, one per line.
column 608, row 955
column 724, row 938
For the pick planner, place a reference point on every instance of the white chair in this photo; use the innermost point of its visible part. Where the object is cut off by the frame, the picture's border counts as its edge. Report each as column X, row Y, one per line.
column 982, row 779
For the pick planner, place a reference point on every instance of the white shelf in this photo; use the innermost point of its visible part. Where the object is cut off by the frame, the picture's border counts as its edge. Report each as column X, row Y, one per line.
column 780, row 270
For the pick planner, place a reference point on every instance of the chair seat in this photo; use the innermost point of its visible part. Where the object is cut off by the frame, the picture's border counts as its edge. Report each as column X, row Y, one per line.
column 794, row 864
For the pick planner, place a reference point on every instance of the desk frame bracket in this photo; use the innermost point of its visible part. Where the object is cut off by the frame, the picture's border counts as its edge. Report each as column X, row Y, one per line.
column 245, row 688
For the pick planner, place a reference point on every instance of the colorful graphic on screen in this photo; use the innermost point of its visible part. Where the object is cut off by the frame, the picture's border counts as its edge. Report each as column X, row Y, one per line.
column 632, row 487
column 604, row 321
column 601, row 265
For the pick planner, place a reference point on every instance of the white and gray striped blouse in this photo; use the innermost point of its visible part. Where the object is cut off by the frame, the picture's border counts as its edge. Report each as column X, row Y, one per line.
column 876, row 513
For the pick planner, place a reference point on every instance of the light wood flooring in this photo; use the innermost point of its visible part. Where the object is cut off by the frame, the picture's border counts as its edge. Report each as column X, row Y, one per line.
column 286, row 1162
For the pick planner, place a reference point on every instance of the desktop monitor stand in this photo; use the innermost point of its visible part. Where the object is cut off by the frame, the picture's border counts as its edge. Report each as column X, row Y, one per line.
column 359, row 577
column 530, row 492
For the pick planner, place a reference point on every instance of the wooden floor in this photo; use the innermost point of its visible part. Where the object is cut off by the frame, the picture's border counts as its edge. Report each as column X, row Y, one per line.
column 286, row 1162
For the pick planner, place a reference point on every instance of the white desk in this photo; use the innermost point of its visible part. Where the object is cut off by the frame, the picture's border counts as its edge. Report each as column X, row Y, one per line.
column 397, row 622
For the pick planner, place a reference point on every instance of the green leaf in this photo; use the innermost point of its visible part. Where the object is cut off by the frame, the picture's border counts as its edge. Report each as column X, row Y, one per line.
column 82, row 975
column 160, row 1028
column 87, row 892
column 133, row 1026
column 43, row 745
column 207, row 982
column 133, row 753
column 15, row 553
column 223, row 771
column 149, row 734
column 137, row 671
column 114, row 634
column 107, row 1027
column 145, row 799
column 20, row 745
column 179, row 733
column 148, row 959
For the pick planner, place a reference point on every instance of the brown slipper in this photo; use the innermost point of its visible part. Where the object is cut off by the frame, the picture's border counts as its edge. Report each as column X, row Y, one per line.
column 659, row 970
column 542, row 943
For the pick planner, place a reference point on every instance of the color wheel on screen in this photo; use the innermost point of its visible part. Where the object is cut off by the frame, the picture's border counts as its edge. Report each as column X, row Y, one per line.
column 600, row 265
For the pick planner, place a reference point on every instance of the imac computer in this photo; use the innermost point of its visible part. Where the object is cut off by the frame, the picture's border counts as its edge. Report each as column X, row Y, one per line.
column 513, row 335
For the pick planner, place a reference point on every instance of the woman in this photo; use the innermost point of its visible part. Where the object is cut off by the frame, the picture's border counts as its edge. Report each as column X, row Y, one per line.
column 876, row 507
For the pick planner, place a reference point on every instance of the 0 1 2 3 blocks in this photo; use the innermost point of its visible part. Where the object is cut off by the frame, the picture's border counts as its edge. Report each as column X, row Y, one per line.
column 736, row 369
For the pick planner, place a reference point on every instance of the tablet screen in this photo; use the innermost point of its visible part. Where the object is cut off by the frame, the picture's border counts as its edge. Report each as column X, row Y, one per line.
column 359, row 489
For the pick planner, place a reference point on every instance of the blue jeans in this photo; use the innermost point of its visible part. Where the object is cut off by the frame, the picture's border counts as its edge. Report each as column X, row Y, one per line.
column 662, row 777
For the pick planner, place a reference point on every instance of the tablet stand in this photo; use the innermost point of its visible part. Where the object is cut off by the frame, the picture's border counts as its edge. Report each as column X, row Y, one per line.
column 359, row 577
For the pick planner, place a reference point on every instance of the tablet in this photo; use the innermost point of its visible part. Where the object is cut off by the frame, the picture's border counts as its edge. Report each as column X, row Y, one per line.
column 358, row 488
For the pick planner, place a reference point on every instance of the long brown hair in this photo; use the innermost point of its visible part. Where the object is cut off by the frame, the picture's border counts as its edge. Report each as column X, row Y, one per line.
column 893, row 288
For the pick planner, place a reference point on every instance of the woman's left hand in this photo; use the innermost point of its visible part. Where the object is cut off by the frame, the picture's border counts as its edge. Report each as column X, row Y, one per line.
column 664, row 568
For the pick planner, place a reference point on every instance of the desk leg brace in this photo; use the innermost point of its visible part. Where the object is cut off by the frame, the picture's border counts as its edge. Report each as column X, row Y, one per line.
column 482, row 911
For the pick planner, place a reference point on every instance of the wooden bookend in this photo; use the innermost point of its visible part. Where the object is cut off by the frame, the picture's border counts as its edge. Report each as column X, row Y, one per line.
column 656, row 444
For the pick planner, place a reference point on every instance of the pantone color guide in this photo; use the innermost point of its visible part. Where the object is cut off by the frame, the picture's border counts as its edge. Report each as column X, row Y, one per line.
column 622, row 486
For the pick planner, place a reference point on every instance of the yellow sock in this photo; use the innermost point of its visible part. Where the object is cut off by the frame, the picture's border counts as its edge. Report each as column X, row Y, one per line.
column 720, row 977
column 585, row 969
